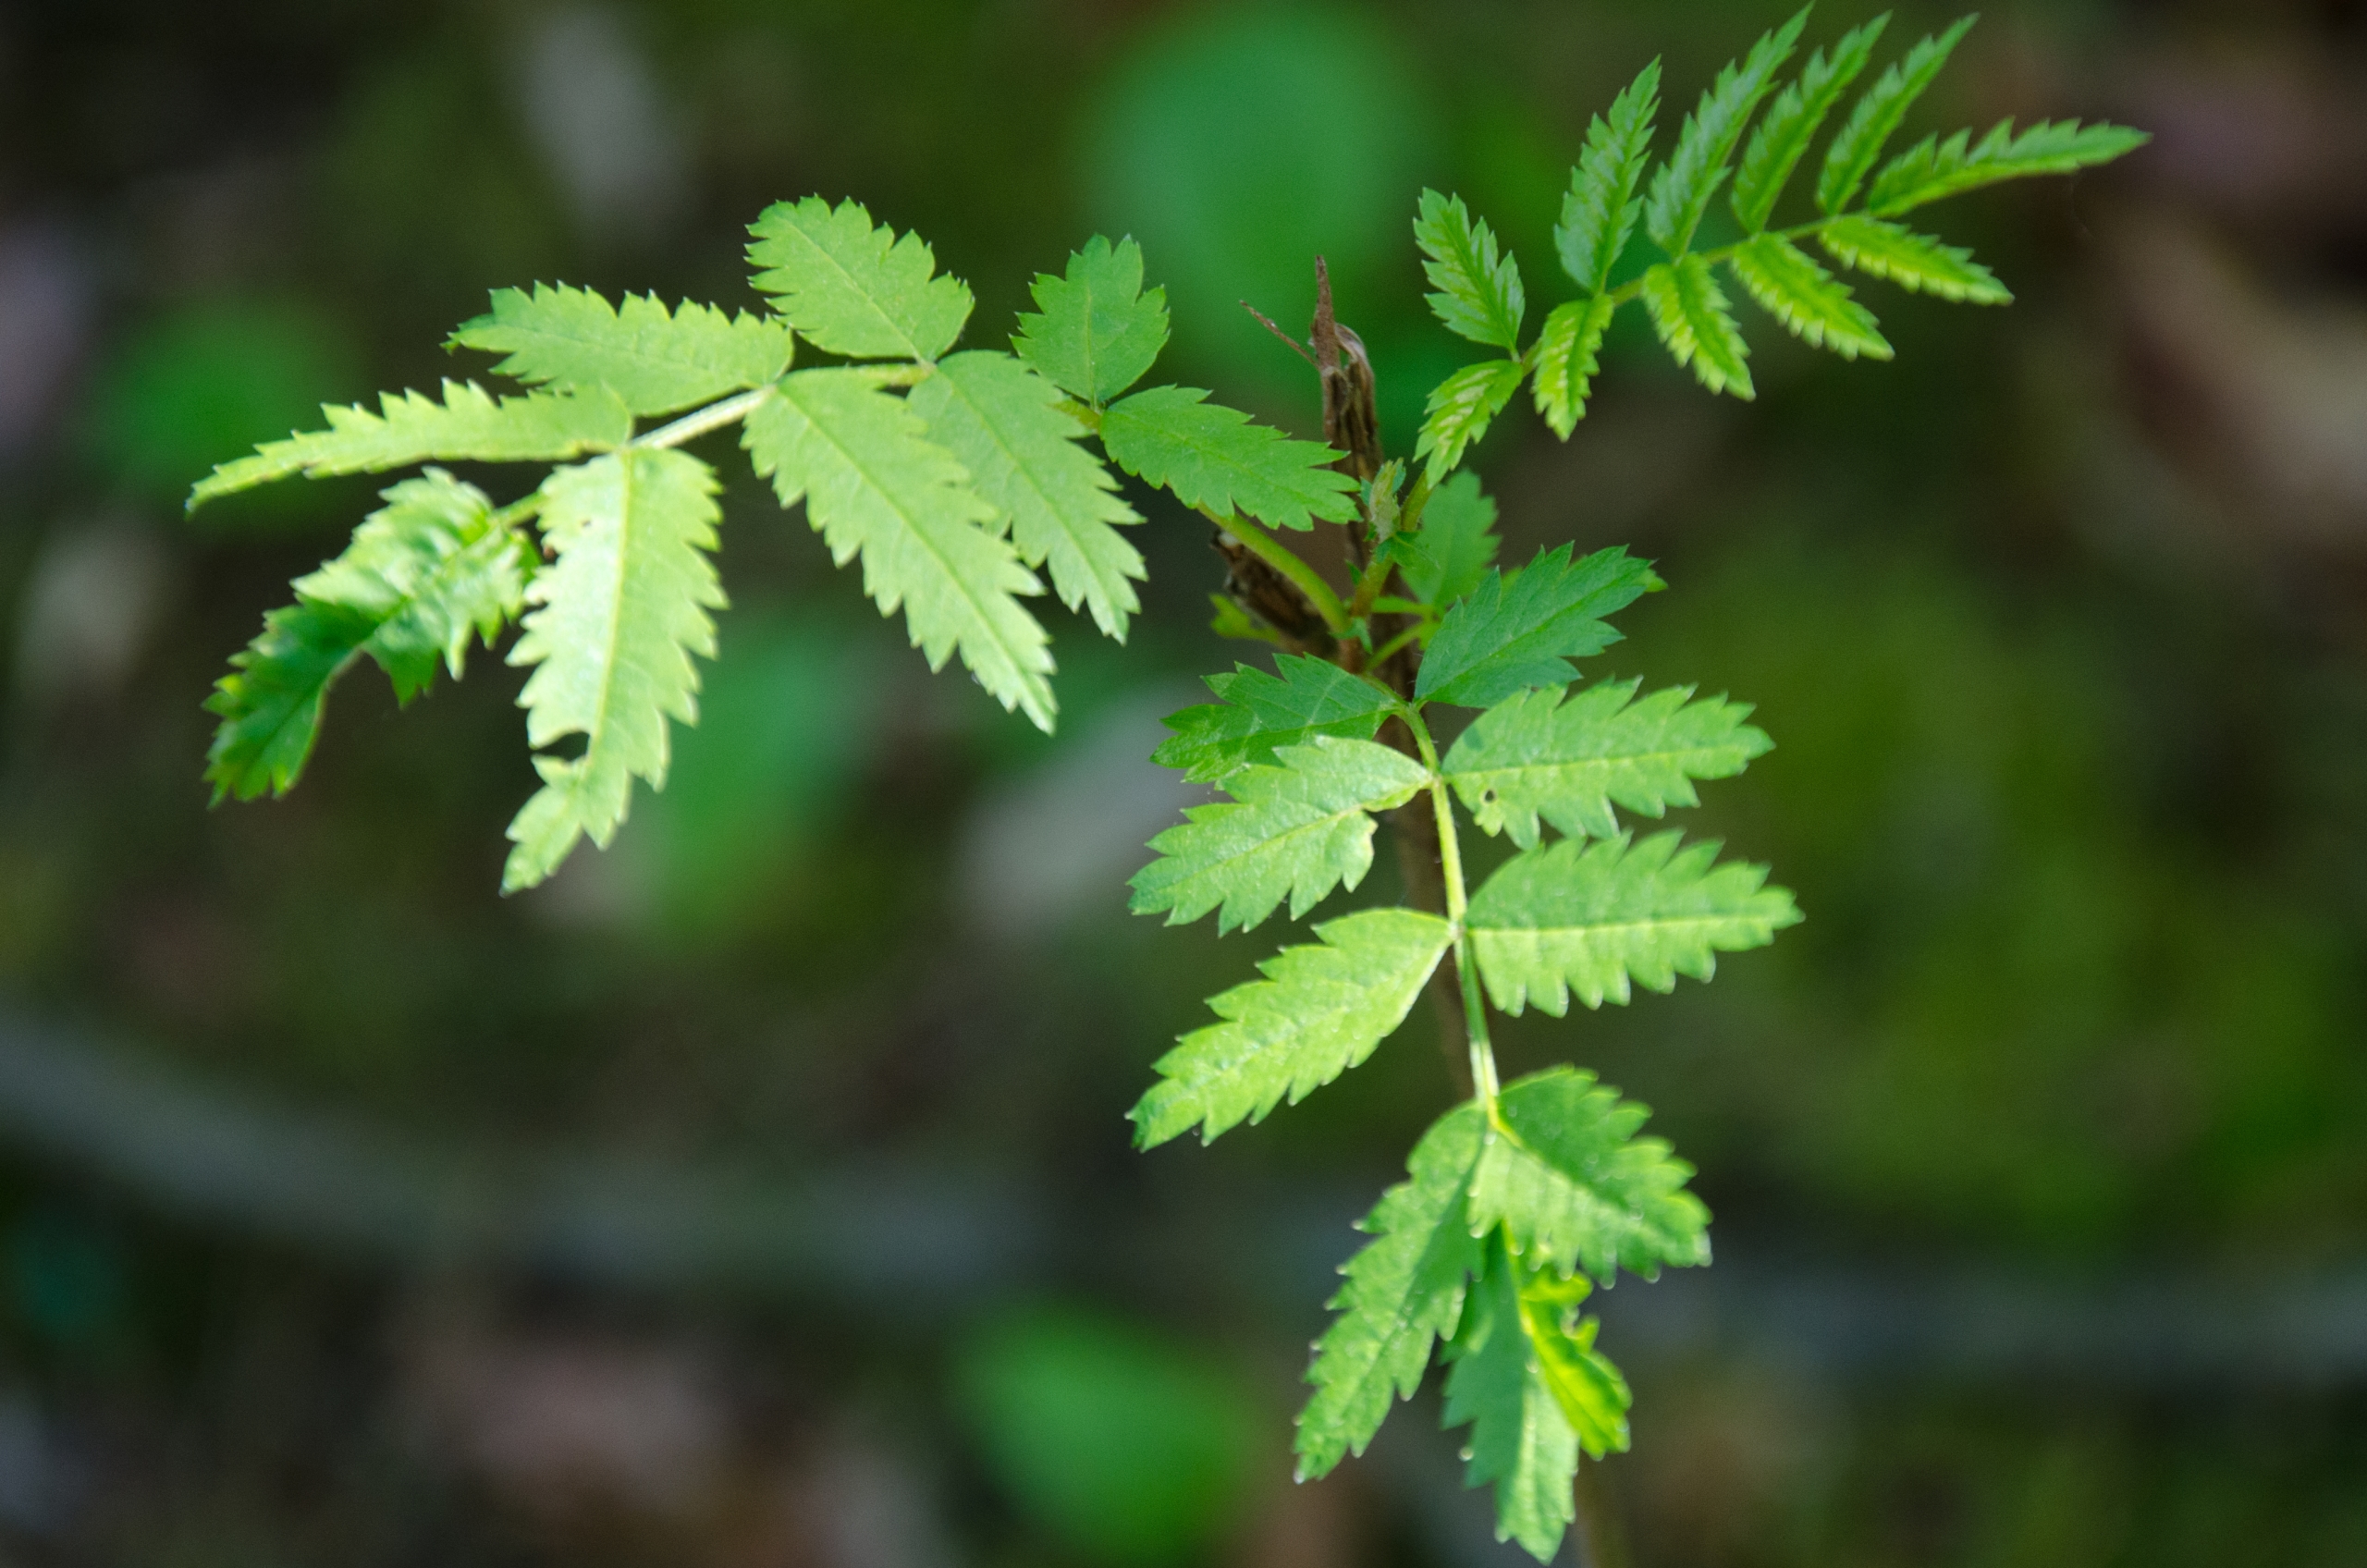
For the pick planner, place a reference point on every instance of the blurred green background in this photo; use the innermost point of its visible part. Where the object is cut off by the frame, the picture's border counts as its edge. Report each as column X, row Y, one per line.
column 757, row 1194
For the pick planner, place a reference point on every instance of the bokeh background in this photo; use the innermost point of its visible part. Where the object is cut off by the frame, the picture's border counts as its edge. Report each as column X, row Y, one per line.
column 757, row 1194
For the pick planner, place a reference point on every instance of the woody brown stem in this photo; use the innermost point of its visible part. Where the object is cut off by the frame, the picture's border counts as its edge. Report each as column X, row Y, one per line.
column 1351, row 425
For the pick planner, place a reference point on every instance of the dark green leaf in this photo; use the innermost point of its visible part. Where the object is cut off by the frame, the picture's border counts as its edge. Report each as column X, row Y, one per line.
column 1450, row 553
column 1260, row 712
column 1521, row 1439
column 1520, row 630
column 425, row 574
column 1098, row 331
column 1216, row 457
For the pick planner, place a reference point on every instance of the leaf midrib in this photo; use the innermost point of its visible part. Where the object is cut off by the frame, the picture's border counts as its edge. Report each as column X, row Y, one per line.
column 1214, row 457
column 1275, row 842
column 863, row 294
column 1112, row 585
column 642, row 357
column 1615, row 760
column 1606, row 927
column 615, row 609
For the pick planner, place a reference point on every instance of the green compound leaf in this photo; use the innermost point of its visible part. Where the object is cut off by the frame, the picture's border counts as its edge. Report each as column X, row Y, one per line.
column 623, row 606
column 1575, row 1188
column 1520, row 1364
column 656, row 363
column 853, row 287
column 1599, row 211
column 1405, row 1290
column 1298, row 830
column 467, row 426
column 1216, row 457
column 1697, row 325
column 1791, row 123
column 1789, row 285
column 1535, row 755
column 1876, row 115
column 1520, row 628
column 1099, row 332
column 873, row 483
column 424, row 575
column 1460, row 409
column 1449, row 554
column 1565, row 359
column 1682, row 189
column 1479, row 294
column 1915, row 262
column 1589, row 917
column 1005, row 424
column 1933, row 168
column 1320, row 1010
column 1257, row 713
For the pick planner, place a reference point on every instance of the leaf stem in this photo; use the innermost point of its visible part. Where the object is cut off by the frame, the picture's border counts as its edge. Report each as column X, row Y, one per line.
column 1635, row 285
column 698, row 422
column 1475, row 1012
column 518, row 511
column 1368, row 586
column 1279, row 556
column 1409, row 514
column 1380, row 655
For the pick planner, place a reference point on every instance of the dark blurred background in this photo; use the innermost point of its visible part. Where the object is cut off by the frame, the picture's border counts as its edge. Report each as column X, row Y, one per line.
column 757, row 1194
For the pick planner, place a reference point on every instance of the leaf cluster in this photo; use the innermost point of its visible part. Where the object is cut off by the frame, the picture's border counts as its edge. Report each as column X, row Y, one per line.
column 964, row 480
column 1519, row 1198
column 953, row 477
column 1749, row 134
column 1523, row 1200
